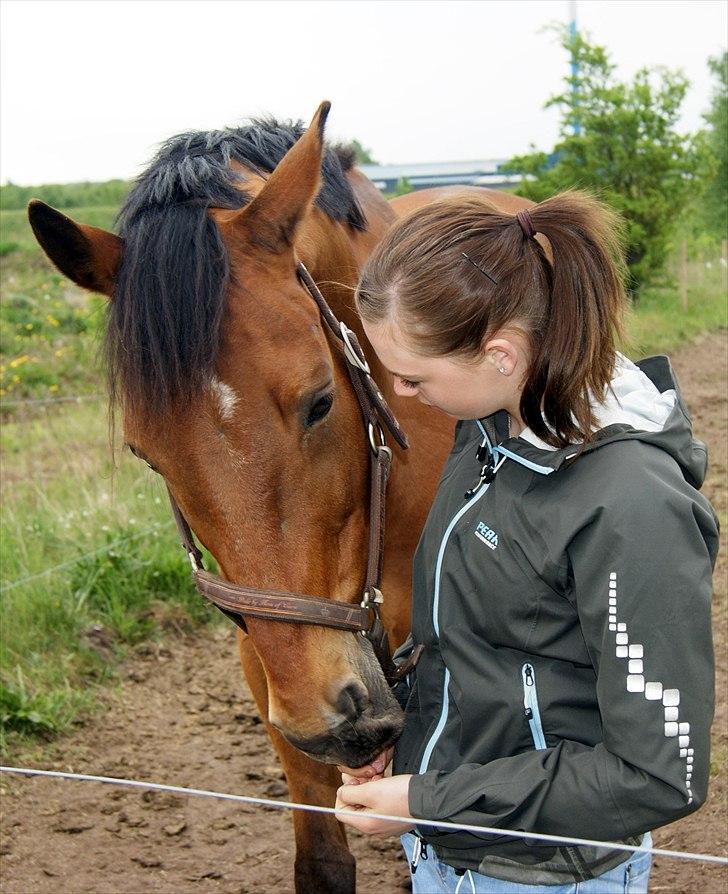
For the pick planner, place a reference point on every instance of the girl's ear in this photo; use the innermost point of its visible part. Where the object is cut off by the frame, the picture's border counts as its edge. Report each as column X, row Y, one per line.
column 87, row 255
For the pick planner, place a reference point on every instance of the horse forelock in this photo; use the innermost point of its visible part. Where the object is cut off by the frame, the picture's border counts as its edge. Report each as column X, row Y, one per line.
column 165, row 319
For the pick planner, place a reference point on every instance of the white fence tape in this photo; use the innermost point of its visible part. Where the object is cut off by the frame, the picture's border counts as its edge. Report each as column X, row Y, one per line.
column 312, row 808
column 11, row 585
column 49, row 401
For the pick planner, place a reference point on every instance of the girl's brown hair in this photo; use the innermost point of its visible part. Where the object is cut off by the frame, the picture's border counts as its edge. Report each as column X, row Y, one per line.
column 571, row 308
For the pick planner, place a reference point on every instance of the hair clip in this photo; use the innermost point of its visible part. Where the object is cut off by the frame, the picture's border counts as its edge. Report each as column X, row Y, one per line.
column 478, row 267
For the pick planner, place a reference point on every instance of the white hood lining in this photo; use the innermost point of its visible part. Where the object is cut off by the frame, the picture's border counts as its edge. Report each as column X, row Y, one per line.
column 633, row 400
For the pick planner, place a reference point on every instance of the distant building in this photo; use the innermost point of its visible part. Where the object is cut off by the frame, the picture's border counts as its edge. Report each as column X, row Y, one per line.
column 441, row 173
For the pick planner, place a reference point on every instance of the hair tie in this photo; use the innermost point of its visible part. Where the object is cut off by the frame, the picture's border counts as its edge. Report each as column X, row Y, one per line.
column 526, row 224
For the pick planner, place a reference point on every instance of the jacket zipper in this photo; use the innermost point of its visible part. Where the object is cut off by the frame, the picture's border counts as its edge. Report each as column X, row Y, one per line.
column 530, row 704
column 430, row 747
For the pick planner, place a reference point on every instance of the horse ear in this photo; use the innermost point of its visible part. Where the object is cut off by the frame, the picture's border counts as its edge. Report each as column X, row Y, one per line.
column 270, row 220
column 87, row 255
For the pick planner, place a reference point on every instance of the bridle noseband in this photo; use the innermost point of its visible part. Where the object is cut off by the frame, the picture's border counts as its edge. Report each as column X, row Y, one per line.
column 239, row 603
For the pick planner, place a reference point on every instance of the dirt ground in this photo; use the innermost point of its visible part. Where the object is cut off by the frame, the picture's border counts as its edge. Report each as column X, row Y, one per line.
column 183, row 715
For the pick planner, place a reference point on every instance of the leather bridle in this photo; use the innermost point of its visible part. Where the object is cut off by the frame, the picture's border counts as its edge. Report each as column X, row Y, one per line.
column 239, row 602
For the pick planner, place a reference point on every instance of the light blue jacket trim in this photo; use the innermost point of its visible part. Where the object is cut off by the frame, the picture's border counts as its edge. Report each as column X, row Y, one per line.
column 440, row 724
column 436, row 624
column 534, row 467
column 543, row 470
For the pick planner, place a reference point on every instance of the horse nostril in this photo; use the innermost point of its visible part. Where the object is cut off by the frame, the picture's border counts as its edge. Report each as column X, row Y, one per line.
column 352, row 700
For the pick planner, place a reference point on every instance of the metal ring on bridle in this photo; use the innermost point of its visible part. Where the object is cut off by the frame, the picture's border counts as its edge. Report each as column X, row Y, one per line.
column 382, row 445
column 351, row 354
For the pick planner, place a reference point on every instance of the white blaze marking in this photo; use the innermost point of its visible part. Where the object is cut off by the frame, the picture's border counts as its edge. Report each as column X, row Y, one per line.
column 227, row 399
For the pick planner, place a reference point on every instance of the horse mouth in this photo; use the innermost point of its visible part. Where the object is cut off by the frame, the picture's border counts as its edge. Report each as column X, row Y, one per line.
column 352, row 745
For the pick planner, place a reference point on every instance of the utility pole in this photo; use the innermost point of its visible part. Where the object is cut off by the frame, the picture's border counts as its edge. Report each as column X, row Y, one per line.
column 574, row 65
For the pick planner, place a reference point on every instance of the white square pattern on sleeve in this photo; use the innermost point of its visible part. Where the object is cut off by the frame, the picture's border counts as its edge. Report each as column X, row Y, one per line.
column 651, row 690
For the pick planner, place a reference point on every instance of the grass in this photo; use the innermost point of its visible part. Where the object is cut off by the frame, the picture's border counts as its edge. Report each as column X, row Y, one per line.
column 124, row 577
column 658, row 324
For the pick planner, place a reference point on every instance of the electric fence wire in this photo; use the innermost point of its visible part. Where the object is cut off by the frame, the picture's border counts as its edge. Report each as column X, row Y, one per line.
column 312, row 808
column 11, row 585
column 45, row 401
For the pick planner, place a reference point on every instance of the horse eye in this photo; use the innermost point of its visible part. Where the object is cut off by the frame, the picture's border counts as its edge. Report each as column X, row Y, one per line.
column 319, row 409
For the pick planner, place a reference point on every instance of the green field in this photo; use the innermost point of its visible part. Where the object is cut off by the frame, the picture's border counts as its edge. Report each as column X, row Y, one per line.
column 91, row 565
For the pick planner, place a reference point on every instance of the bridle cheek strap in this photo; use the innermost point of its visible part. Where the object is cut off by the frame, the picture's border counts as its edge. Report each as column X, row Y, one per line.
column 239, row 602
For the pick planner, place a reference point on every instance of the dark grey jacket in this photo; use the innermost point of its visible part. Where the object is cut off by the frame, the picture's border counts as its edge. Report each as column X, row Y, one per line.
column 566, row 684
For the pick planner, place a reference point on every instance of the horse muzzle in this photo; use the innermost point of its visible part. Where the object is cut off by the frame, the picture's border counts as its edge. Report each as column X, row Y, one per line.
column 352, row 745
column 363, row 721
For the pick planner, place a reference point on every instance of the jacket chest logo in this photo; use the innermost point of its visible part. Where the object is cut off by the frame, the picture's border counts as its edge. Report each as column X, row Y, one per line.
column 487, row 535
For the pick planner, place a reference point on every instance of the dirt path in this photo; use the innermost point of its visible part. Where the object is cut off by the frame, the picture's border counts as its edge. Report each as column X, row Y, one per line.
column 183, row 715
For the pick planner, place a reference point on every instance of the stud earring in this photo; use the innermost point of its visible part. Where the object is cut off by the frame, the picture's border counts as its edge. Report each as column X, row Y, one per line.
column 502, row 369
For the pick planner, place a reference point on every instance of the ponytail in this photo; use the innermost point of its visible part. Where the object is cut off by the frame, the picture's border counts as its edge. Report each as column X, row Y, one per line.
column 572, row 362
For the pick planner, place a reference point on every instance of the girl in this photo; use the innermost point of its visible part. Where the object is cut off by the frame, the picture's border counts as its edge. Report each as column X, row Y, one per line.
column 562, row 583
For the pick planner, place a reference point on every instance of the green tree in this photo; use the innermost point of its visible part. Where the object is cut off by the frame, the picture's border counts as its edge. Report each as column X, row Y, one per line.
column 403, row 187
column 714, row 199
column 618, row 139
column 363, row 155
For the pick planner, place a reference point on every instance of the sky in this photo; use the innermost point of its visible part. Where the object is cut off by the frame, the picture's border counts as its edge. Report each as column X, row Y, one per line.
column 89, row 88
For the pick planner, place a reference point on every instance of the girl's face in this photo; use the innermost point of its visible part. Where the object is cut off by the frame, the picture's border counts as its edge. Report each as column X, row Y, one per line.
column 465, row 389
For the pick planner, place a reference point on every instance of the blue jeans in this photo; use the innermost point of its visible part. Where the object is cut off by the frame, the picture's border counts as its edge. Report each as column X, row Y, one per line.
column 434, row 877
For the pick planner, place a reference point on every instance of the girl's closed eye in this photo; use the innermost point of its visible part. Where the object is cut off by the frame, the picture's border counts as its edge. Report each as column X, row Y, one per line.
column 408, row 383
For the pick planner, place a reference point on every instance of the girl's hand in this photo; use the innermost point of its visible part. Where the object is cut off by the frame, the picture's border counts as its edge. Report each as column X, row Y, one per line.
column 376, row 796
column 375, row 770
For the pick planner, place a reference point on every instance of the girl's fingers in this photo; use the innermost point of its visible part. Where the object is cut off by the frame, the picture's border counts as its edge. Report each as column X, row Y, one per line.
column 357, row 780
column 374, row 770
column 365, row 772
column 347, row 796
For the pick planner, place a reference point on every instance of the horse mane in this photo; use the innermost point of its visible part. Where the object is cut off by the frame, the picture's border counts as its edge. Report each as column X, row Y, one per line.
column 165, row 318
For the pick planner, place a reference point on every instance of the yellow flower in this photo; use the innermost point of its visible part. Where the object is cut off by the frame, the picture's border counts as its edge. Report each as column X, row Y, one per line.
column 52, row 320
column 28, row 326
column 19, row 361
column 53, row 388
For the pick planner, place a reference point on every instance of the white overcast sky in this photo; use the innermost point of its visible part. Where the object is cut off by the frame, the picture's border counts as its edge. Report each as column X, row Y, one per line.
column 88, row 88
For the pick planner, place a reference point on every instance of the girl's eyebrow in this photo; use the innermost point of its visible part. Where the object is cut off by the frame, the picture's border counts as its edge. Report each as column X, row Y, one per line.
column 402, row 375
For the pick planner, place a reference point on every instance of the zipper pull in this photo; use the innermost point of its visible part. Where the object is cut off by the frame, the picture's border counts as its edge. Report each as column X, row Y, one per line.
column 487, row 470
column 419, row 852
column 487, row 474
column 529, row 681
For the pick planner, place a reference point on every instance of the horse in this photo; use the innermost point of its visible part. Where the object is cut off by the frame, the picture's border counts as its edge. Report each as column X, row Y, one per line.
column 230, row 386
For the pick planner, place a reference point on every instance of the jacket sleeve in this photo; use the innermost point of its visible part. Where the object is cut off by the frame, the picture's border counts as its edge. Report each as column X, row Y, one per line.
column 640, row 577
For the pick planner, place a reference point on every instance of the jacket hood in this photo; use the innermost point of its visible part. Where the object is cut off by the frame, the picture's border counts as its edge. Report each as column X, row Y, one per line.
column 643, row 403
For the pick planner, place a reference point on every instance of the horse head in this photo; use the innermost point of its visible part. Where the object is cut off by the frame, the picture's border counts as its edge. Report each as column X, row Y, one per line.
column 230, row 387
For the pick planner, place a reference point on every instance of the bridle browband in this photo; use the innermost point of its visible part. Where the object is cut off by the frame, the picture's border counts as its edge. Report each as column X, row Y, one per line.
column 239, row 602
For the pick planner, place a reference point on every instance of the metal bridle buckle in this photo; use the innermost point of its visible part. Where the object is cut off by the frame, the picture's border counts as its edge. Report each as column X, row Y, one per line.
column 372, row 595
column 373, row 598
column 351, row 354
column 193, row 562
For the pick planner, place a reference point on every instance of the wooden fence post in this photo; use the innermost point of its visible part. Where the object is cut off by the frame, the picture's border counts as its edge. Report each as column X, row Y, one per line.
column 682, row 274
